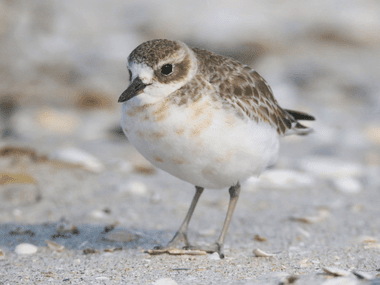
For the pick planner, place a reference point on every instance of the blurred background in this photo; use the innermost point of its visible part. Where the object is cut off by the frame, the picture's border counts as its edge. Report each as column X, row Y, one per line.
column 63, row 67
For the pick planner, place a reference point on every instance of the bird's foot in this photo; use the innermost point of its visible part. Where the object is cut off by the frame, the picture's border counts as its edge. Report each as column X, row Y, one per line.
column 173, row 247
column 174, row 251
column 210, row 248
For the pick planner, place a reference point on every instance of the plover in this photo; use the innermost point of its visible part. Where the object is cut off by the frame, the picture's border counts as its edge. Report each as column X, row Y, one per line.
column 204, row 118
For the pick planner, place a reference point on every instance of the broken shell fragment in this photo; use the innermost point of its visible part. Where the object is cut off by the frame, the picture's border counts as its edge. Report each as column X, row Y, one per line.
column 259, row 238
column 363, row 275
column 260, row 253
column 54, row 246
column 322, row 215
column 336, row 271
column 365, row 239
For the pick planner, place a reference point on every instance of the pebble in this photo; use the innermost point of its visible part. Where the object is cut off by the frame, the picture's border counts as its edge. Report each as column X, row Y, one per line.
column 348, row 185
column 330, row 167
column 102, row 278
column 285, row 179
column 134, row 187
column 165, row 281
column 78, row 157
column 26, row 248
column 98, row 214
column 214, row 256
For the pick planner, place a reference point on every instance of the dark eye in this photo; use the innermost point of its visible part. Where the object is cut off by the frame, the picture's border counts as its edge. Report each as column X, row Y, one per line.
column 130, row 74
column 166, row 69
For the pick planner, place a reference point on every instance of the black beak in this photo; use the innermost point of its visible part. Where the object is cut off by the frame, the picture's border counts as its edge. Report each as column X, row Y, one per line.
column 132, row 90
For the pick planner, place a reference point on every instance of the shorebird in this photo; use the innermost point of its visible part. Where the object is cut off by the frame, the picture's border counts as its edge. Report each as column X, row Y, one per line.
column 204, row 118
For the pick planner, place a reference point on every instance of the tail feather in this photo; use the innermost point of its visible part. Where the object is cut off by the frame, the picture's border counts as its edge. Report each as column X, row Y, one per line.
column 296, row 127
column 300, row 115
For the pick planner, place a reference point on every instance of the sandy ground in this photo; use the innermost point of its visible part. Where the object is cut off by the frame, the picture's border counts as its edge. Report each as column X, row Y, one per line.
column 105, row 220
column 87, row 205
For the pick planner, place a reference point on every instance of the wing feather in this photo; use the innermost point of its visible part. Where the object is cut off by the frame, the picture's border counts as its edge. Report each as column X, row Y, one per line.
column 244, row 89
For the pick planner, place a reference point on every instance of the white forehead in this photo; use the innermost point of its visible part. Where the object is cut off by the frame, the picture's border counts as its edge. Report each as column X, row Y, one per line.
column 142, row 70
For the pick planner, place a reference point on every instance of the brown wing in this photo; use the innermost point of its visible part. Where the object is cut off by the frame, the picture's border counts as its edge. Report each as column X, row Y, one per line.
column 243, row 88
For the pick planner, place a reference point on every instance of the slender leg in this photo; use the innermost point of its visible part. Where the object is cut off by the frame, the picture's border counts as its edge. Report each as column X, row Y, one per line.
column 219, row 245
column 234, row 196
column 181, row 234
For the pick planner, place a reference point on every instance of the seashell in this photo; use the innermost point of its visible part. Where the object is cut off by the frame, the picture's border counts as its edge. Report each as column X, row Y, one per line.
column 363, row 275
column 2, row 254
column 336, row 271
column 54, row 246
column 259, row 238
column 102, row 278
column 77, row 156
column 372, row 245
column 322, row 215
column 122, row 236
column 348, row 185
column 26, row 248
column 365, row 239
column 260, row 253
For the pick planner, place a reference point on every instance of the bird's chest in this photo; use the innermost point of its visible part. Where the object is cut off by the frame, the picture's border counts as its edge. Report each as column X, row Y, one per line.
column 199, row 142
column 164, row 130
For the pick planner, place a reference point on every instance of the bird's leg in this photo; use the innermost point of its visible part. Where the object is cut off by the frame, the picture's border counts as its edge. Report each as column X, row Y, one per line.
column 219, row 245
column 181, row 234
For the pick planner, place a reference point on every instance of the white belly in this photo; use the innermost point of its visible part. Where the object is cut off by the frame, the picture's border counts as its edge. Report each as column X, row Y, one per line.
column 200, row 143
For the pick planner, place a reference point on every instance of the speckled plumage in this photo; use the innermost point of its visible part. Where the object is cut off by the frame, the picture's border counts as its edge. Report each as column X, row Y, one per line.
column 152, row 52
column 238, row 85
column 204, row 118
column 206, row 93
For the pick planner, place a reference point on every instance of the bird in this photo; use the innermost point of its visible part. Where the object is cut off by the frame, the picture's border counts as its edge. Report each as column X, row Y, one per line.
column 204, row 118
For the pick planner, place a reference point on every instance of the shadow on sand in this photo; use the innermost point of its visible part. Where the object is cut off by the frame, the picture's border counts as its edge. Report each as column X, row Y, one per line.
column 80, row 237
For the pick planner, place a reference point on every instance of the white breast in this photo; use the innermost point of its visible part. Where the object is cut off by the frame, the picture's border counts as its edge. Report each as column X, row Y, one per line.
column 200, row 142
